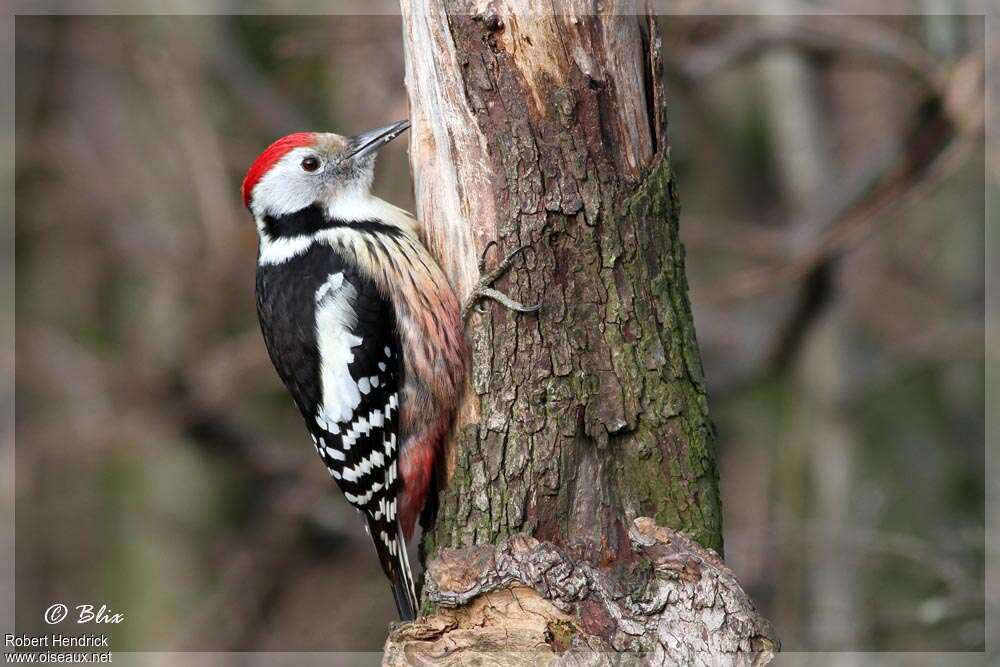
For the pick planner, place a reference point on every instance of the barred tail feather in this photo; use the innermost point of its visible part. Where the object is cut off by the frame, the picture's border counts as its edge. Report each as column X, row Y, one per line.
column 391, row 549
column 409, row 590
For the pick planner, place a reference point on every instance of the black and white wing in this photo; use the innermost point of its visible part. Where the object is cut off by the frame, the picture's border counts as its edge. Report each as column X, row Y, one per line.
column 346, row 377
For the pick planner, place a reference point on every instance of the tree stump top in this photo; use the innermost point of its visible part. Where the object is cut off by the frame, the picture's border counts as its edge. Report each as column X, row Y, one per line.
column 528, row 602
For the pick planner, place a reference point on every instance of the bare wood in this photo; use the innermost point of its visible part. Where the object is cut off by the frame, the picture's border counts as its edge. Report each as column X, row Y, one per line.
column 530, row 603
column 452, row 172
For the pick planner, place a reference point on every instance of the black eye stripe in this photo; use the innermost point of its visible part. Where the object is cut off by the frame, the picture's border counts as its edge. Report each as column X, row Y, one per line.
column 310, row 163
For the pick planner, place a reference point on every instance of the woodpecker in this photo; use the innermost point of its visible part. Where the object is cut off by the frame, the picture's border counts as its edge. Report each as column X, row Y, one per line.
column 362, row 327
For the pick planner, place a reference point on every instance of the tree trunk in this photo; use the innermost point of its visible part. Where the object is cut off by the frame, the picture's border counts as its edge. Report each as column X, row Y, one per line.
column 546, row 130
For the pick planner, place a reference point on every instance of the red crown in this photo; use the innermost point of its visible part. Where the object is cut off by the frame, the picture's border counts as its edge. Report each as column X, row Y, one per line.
column 269, row 157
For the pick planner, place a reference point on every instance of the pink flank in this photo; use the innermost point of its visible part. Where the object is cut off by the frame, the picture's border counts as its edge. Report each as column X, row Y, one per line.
column 416, row 467
column 269, row 157
column 434, row 344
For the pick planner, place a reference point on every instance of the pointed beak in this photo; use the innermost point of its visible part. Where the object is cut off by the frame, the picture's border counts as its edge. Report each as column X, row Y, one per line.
column 366, row 143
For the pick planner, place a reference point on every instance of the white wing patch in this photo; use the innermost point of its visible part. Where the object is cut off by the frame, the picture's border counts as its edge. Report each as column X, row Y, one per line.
column 333, row 283
column 335, row 317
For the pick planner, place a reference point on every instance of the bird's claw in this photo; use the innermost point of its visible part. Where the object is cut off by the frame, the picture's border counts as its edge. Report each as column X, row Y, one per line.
column 484, row 289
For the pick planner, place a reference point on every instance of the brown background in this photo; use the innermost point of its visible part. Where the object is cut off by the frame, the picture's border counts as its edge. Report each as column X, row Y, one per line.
column 161, row 469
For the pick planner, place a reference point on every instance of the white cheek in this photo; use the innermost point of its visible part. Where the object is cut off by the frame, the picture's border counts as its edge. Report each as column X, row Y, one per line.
column 280, row 194
column 286, row 188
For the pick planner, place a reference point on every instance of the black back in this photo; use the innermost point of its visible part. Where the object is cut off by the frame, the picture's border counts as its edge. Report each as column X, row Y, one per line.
column 287, row 309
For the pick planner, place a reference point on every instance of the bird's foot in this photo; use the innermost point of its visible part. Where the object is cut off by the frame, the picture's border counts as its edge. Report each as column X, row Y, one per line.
column 484, row 289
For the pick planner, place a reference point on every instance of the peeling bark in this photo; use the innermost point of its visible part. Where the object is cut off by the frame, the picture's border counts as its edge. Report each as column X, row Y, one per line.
column 538, row 605
column 547, row 130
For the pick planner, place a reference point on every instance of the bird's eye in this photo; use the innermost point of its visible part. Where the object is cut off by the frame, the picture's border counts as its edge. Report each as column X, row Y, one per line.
column 310, row 163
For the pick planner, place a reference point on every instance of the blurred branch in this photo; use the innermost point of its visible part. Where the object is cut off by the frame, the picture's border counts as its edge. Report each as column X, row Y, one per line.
column 856, row 202
column 965, row 595
column 892, row 179
column 811, row 268
column 931, row 558
column 217, row 433
column 858, row 38
column 945, row 131
column 755, row 241
column 859, row 221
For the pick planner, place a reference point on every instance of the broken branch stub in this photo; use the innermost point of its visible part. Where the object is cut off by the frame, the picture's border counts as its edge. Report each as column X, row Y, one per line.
column 525, row 602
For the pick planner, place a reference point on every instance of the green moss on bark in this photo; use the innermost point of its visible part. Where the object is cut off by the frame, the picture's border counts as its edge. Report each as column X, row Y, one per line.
column 667, row 467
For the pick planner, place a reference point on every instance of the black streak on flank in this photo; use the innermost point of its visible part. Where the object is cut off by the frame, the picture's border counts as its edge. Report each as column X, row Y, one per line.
column 312, row 219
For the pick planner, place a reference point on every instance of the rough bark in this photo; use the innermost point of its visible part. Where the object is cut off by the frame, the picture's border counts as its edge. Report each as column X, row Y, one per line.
column 546, row 130
column 538, row 606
